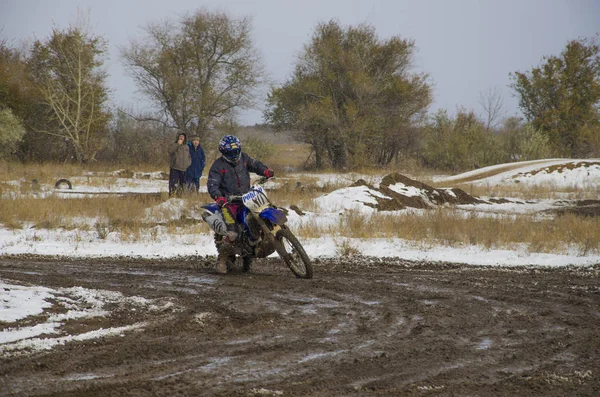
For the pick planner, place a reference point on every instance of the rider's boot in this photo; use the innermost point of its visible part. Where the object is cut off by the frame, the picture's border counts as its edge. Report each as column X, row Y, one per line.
column 225, row 247
column 225, row 250
column 221, row 267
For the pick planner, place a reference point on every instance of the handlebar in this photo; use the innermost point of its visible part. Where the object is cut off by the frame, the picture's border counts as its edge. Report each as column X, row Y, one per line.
column 262, row 180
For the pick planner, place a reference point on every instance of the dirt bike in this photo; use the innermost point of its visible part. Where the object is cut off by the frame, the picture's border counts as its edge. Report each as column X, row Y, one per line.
column 262, row 230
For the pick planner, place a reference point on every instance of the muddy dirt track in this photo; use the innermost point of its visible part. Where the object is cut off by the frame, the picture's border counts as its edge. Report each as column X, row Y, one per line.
column 363, row 327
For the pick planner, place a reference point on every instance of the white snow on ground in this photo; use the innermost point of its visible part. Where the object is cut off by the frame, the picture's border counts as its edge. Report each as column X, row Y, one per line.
column 82, row 243
column 18, row 302
column 582, row 176
column 171, row 210
column 49, row 343
column 523, row 165
column 410, row 191
column 351, row 198
column 585, row 175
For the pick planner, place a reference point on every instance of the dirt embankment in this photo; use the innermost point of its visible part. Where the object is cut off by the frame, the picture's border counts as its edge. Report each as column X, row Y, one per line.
column 397, row 187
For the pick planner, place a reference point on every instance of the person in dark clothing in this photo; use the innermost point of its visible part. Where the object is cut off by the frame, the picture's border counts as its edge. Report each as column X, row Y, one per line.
column 179, row 161
column 194, row 171
column 230, row 175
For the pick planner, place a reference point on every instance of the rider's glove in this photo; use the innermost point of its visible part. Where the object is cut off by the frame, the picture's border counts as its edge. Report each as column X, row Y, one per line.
column 221, row 201
column 269, row 173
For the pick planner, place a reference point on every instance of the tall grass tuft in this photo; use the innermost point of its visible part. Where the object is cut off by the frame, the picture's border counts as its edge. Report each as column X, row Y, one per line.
column 456, row 228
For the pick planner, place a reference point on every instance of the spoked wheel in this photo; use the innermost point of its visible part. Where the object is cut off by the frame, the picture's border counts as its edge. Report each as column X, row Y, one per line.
column 291, row 251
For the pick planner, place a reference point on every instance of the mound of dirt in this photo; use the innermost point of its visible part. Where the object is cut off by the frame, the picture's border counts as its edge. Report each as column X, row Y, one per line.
column 559, row 168
column 405, row 192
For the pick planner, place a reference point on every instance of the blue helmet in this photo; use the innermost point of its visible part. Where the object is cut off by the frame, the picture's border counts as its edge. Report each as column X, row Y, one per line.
column 231, row 148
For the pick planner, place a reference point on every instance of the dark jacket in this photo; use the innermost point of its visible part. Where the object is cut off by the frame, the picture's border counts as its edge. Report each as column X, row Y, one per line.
column 224, row 179
column 198, row 161
column 179, row 155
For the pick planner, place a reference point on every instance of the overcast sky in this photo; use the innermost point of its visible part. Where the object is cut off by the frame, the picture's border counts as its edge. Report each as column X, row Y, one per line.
column 466, row 46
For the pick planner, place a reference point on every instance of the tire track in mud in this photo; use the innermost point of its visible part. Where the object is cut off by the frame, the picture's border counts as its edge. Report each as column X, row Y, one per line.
column 360, row 327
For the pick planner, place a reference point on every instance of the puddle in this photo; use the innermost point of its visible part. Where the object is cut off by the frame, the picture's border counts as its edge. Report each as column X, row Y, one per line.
column 215, row 362
column 329, row 339
column 201, row 280
column 88, row 376
column 315, row 356
column 370, row 303
column 485, row 344
column 238, row 342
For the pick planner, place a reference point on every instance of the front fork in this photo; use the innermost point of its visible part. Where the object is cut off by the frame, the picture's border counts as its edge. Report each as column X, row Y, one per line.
column 270, row 234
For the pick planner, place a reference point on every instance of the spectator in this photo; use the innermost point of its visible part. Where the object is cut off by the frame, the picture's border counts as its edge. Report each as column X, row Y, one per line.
column 179, row 161
column 194, row 171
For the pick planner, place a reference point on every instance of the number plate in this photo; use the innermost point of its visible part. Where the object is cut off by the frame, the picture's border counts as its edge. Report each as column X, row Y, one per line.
column 255, row 198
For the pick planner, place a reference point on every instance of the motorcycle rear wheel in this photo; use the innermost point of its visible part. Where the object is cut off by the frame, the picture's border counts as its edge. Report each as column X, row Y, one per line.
column 291, row 251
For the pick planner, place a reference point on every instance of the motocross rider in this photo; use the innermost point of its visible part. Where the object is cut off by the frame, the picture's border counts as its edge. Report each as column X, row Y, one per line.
column 230, row 175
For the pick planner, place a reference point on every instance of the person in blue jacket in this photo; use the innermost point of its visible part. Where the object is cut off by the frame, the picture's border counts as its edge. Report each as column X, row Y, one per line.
column 194, row 171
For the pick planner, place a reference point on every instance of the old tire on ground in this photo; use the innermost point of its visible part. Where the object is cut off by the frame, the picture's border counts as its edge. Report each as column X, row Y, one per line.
column 291, row 251
column 61, row 182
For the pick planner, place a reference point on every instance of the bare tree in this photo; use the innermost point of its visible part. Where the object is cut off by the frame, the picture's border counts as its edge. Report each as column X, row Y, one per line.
column 197, row 71
column 492, row 104
column 67, row 70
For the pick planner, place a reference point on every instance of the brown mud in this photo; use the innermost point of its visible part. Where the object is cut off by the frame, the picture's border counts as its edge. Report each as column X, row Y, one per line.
column 429, row 197
column 361, row 327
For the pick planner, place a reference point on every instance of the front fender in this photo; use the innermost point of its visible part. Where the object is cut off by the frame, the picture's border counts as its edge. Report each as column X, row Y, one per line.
column 274, row 215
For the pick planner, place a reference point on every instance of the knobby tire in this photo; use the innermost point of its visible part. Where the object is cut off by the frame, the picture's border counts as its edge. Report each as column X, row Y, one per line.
column 298, row 251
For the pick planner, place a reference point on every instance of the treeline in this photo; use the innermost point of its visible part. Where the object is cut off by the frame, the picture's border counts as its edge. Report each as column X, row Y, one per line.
column 352, row 97
column 197, row 72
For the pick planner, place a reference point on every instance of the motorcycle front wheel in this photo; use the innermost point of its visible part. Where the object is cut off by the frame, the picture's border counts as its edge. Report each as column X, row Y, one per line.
column 291, row 251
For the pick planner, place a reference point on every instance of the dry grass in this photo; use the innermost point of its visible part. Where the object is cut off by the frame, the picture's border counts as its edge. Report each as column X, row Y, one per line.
column 56, row 212
column 125, row 215
column 454, row 228
column 345, row 249
column 289, row 157
column 43, row 173
column 301, row 191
